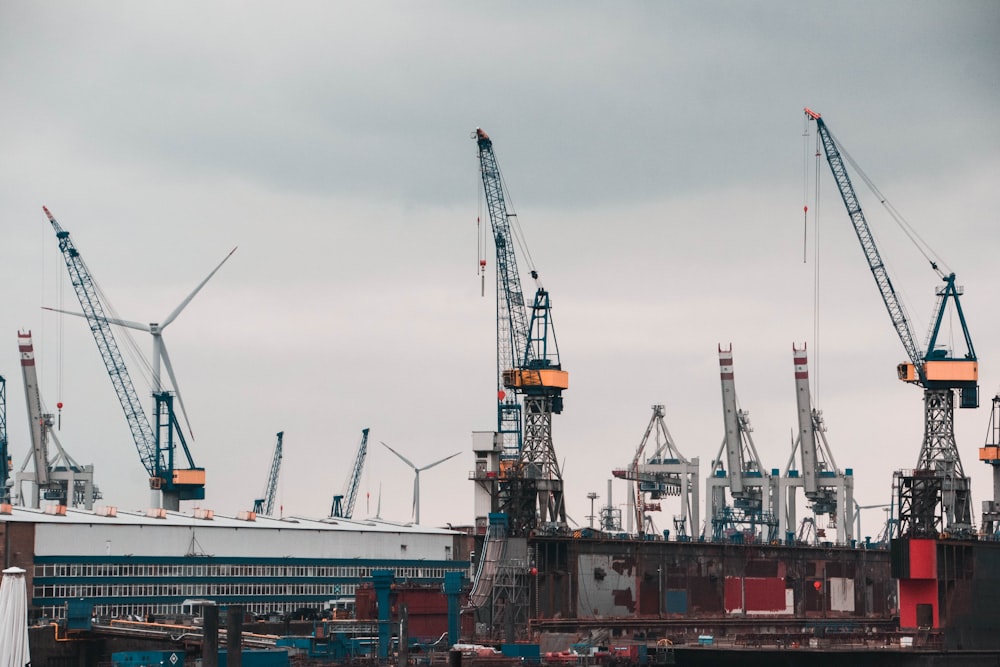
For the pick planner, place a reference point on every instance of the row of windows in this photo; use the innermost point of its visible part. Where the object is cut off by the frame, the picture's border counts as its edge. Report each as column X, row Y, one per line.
column 190, row 590
column 225, row 570
column 164, row 611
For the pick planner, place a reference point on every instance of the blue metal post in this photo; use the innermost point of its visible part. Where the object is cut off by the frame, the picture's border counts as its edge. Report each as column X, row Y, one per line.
column 452, row 588
column 382, row 580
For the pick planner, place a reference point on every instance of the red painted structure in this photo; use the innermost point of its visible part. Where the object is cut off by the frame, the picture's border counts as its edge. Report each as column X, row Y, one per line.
column 918, row 590
column 755, row 594
column 426, row 609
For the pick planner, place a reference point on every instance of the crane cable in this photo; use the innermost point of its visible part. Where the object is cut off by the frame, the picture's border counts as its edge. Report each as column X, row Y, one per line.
column 814, row 376
column 480, row 238
column 918, row 242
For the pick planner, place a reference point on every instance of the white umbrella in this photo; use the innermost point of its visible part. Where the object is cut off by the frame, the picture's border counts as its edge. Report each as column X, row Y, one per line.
column 13, row 619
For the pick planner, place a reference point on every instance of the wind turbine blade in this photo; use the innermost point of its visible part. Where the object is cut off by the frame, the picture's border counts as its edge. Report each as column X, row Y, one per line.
column 173, row 382
column 110, row 320
column 431, row 465
column 405, row 460
column 177, row 311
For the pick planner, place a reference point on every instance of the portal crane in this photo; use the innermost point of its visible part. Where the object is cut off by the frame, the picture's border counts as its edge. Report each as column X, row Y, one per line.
column 156, row 450
column 664, row 472
column 828, row 490
column 33, row 403
column 937, row 370
column 343, row 503
column 264, row 506
column 530, row 488
column 58, row 477
column 753, row 489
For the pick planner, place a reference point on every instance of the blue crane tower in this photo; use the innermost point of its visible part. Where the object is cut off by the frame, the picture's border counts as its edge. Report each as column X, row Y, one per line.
column 265, row 505
column 938, row 480
column 157, row 449
column 529, row 487
column 342, row 506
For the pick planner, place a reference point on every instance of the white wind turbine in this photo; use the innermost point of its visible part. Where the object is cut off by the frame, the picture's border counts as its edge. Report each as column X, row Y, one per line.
column 159, row 347
column 416, row 478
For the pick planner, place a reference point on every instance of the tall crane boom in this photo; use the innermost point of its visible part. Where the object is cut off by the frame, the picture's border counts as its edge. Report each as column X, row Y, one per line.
column 93, row 310
column 512, row 319
column 33, row 402
column 896, row 313
column 265, row 505
column 157, row 446
column 343, row 503
column 933, row 368
column 938, row 370
column 528, row 364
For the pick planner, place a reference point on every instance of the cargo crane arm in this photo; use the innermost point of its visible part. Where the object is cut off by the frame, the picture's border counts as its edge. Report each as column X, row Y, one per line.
column 343, row 503
column 896, row 313
column 938, row 371
column 265, row 505
column 528, row 365
column 527, row 350
column 925, row 368
column 512, row 318
column 86, row 291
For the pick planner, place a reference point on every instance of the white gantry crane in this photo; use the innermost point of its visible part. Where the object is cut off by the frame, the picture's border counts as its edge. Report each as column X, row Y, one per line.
column 60, row 477
column 828, row 490
column 752, row 489
column 664, row 472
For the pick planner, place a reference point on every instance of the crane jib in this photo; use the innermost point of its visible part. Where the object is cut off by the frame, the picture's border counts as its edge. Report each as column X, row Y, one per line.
column 83, row 285
column 933, row 368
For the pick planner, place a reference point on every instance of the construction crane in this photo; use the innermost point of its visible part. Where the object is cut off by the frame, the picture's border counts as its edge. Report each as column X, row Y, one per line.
column 989, row 453
column 265, row 505
column 938, row 479
column 828, row 490
column 58, row 477
column 5, row 460
column 157, row 450
column 753, row 488
column 530, row 486
column 664, row 472
column 36, row 423
column 343, row 503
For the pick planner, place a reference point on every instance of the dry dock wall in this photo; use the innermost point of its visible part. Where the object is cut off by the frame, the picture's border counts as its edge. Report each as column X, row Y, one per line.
column 601, row 579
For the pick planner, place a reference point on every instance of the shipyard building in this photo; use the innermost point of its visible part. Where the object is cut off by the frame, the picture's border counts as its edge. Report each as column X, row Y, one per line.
column 139, row 564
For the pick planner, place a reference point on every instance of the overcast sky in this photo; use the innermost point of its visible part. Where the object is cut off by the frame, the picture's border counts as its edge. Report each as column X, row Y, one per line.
column 654, row 154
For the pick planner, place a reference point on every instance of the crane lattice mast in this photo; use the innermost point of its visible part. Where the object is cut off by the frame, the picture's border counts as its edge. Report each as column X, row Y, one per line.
column 343, row 503
column 265, row 504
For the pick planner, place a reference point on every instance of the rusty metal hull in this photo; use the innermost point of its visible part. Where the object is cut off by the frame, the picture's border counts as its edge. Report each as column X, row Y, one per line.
column 603, row 579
